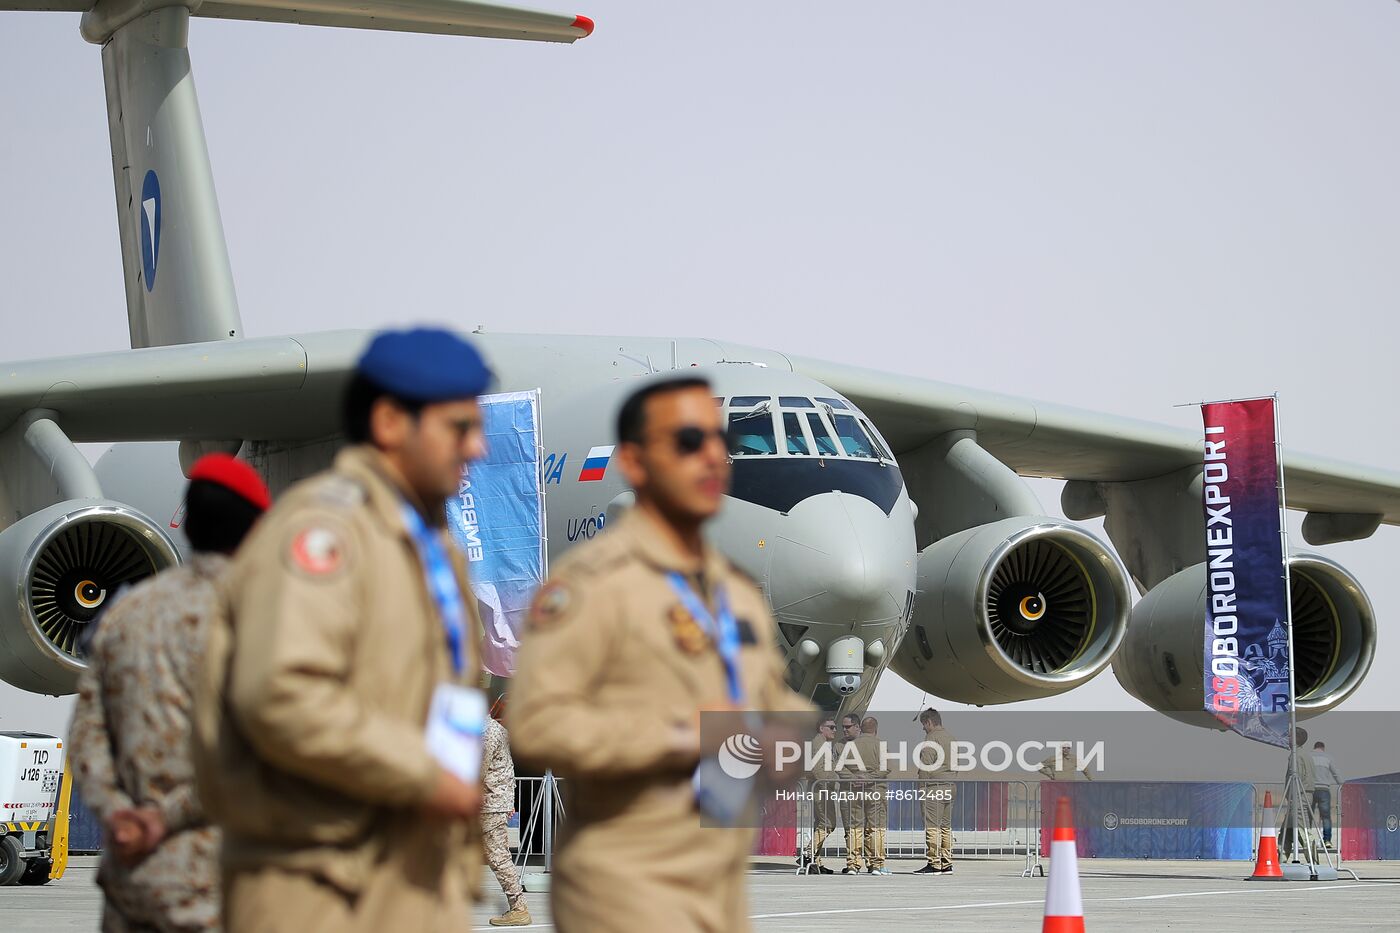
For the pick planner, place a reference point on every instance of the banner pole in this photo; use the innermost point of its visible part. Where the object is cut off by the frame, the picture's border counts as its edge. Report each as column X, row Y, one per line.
column 1294, row 790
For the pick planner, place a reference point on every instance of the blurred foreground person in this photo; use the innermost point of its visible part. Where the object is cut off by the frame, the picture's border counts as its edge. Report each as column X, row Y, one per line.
column 131, row 728
column 339, row 735
column 633, row 635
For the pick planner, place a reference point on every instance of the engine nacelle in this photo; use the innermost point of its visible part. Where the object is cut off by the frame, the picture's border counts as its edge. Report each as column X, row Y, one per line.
column 1161, row 661
column 1014, row 610
column 66, row 562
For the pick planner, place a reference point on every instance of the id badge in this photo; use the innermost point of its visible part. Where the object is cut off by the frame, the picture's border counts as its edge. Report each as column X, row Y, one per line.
column 456, row 724
column 721, row 797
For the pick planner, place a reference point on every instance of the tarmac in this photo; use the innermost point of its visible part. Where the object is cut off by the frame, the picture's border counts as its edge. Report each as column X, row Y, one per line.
column 980, row 895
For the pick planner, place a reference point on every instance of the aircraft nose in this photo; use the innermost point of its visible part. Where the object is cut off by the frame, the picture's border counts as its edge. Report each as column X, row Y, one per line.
column 840, row 558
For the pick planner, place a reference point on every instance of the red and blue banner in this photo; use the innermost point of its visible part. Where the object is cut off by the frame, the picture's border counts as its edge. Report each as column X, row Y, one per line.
column 1246, row 668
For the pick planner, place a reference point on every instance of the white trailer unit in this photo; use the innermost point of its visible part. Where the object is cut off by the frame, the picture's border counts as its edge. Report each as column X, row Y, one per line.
column 31, row 773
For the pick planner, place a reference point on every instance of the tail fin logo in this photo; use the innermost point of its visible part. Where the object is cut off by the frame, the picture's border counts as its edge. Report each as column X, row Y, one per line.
column 150, row 228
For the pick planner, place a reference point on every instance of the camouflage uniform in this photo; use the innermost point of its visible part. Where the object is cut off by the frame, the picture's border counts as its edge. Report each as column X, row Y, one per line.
column 498, row 780
column 129, row 742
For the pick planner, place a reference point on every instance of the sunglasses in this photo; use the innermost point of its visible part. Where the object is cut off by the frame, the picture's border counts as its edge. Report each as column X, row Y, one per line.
column 690, row 440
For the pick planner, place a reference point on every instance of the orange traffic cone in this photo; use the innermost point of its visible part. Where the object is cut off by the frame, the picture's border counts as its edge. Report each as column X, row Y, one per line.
column 1064, row 910
column 1266, row 866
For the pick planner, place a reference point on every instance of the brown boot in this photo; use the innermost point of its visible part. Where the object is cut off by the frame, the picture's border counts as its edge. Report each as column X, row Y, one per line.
column 517, row 916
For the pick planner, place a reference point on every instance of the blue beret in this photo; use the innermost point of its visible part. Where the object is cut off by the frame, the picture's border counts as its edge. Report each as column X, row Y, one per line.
column 426, row 364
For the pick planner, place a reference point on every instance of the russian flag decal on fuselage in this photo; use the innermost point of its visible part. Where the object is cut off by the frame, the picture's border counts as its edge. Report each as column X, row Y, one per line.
column 595, row 464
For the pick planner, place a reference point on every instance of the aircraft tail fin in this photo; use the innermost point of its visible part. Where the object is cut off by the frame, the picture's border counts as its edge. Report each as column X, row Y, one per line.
column 175, row 265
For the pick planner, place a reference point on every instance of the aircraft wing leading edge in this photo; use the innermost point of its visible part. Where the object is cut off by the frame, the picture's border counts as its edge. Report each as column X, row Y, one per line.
column 1041, row 439
column 442, row 17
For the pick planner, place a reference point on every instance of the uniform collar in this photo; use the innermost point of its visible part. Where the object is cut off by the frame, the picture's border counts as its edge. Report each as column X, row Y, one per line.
column 208, row 563
column 386, row 495
column 654, row 547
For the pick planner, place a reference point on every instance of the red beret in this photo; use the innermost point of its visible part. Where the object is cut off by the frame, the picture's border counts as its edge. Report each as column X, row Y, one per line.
column 234, row 475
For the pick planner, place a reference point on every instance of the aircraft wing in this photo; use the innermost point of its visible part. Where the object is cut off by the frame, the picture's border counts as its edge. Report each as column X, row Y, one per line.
column 1041, row 439
column 443, row 17
column 274, row 387
column 288, row 388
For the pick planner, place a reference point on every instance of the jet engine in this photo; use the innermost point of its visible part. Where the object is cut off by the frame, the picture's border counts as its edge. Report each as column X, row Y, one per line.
column 1334, row 636
column 65, row 563
column 1014, row 610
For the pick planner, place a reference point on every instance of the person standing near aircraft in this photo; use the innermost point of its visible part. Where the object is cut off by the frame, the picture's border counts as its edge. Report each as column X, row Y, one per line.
column 1325, row 771
column 875, row 809
column 852, row 807
column 823, row 786
column 338, row 731
column 633, row 635
column 131, row 726
column 935, row 761
column 498, row 783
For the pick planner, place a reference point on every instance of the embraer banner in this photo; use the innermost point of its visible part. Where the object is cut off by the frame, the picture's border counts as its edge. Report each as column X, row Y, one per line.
column 498, row 520
column 1246, row 642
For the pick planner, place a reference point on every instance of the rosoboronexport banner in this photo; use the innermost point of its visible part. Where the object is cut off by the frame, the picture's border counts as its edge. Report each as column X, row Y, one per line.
column 1246, row 637
column 497, row 518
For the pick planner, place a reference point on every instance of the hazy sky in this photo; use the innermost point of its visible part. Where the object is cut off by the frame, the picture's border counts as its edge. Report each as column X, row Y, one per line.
column 1120, row 206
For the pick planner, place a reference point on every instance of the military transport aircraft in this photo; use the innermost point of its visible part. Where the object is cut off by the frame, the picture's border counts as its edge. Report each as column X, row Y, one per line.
column 885, row 517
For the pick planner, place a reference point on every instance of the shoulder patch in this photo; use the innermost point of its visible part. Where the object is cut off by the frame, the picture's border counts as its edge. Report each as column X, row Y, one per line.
column 553, row 603
column 316, row 549
column 340, row 491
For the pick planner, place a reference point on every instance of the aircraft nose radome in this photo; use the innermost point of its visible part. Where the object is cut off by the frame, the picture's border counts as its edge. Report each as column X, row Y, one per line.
column 841, row 558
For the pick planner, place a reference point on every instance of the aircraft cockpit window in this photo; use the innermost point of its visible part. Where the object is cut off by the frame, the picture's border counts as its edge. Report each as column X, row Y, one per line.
column 751, row 435
column 796, row 439
column 879, row 441
column 794, row 401
column 826, row 445
column 747, row 401
column 835, row 403
column 854, row 438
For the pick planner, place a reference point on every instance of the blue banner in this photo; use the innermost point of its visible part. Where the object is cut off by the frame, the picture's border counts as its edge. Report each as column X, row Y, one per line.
column 1246, row 668
column 1161, row 820
column 498, row 520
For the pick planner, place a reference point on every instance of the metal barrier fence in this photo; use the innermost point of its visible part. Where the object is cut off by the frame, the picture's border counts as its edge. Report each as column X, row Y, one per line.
column 989, row 819
column 1368, row 824
column 541, row 810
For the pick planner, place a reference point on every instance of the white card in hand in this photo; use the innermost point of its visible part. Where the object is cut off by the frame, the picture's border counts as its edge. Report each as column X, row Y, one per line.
column 456, row 723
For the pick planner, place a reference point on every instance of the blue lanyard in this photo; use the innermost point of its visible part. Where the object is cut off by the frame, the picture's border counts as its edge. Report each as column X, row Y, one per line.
column 442, row 584
column 721, row 628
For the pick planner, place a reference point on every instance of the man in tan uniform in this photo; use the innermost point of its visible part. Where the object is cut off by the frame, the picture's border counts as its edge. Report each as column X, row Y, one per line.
column 348, row 612
column 625, row 645
column 870, row 808
column 852, row 807
column 937, row 802
column 1063, row 764
column 130, row 736
column 823, row 785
